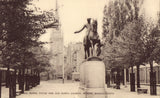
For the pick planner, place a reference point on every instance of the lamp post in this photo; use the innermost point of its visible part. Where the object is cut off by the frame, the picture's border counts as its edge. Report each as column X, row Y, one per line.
column 63, row 68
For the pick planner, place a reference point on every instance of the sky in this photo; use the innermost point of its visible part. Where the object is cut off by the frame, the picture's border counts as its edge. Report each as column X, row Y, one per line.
column 73, row 15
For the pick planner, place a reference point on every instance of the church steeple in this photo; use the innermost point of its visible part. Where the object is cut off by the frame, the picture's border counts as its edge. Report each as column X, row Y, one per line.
column 159, row 15
column 57, row 42
column 56, row 12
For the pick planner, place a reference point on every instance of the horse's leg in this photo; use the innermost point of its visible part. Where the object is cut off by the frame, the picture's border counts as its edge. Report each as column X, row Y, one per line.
column 99, row 52
column 94, row 49
column 98, row 48
column 91, row 48
column 85, row 52
column 88, row 51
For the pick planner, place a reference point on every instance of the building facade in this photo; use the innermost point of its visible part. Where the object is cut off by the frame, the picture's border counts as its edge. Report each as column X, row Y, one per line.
column 74, row 58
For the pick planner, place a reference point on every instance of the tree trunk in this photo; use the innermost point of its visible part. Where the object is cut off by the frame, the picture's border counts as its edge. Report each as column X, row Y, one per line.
column 38, row 77
column 118, row 78
column 138, row 77
column 27, row 81
column 132, row 81
column 15, row 80
column 7, row 76
column 124, row 79
column 153, row 88
column 132, row 69
column 151, row 66
column 122, row 76
column 19, row 79
column 0, row 83
column 48, row 76
column 23, row 79
column 31, row 78
column 108, row 78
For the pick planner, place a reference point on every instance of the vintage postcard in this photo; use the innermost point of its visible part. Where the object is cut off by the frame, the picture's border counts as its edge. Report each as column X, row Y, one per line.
column 79, row 48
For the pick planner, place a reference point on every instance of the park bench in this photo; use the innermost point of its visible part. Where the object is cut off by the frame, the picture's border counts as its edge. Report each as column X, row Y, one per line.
column 113, row 85
column 142, row 90
column 18, row 92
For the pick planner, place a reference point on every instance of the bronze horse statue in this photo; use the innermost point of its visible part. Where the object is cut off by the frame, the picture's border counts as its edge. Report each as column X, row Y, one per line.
column 94, row 40
column 91, row 42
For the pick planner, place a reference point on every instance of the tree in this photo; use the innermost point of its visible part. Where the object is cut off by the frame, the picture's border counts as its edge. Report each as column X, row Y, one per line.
column 152, row 50
column 20, row 29
column 122, row 32
column 43, row 58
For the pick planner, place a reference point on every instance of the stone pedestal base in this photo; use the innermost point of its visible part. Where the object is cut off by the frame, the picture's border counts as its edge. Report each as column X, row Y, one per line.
column 92, row 79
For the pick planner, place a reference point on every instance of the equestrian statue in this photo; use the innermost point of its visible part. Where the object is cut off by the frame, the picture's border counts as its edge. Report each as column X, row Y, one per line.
column 91, row 40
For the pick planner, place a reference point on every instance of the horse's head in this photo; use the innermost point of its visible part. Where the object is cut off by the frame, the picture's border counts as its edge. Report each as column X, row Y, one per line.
column 94, row 25
column 94, row 21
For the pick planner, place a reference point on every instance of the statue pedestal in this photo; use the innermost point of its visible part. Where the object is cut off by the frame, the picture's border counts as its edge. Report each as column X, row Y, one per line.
column 92, row 78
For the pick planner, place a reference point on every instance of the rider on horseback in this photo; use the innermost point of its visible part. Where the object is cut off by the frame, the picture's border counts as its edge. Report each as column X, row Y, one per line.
column 88, row 26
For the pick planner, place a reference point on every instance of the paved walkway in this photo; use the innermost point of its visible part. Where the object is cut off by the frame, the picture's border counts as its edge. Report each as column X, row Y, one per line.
column 52, row 89
column 127, row 89
column 5, row 92
column 124, row 92
column 56, row 89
